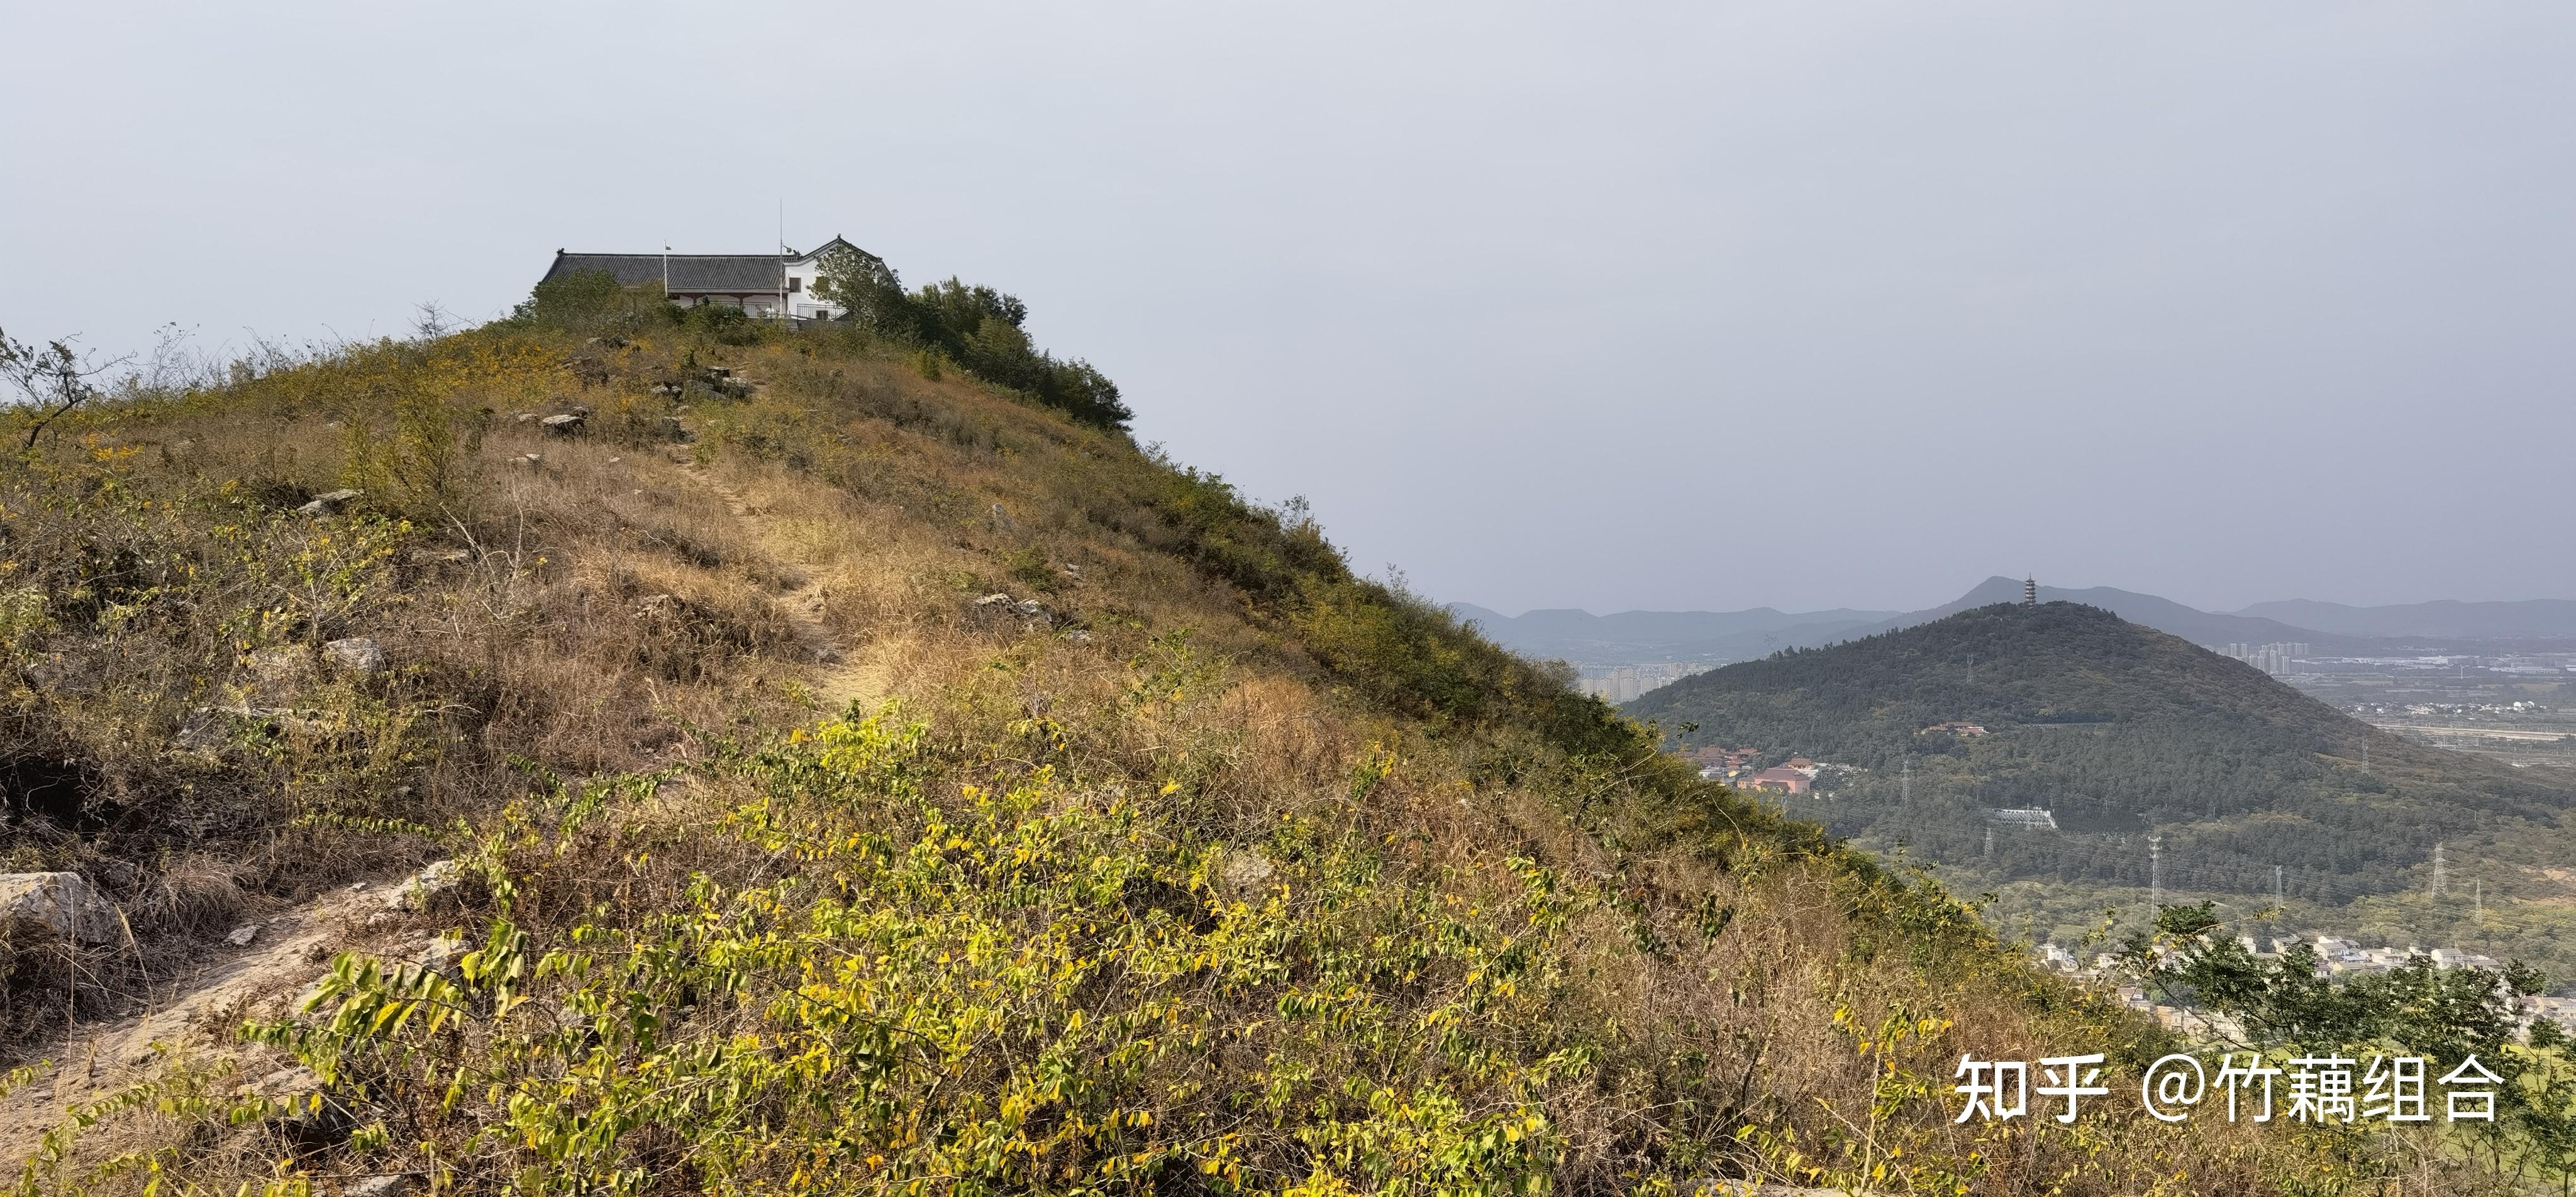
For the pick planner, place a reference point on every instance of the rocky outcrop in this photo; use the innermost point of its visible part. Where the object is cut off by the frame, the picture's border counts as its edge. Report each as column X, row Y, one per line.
column 357, row 654
column 423, row 889
column 66, row 903
column 329, row 503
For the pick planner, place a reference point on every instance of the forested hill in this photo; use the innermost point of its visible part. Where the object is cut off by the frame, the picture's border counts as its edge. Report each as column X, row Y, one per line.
column 2119, row 730
column 2003, row 663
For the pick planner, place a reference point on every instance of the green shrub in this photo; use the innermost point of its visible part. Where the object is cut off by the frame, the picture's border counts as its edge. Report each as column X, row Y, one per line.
column 723, row 323
column 576, row 296
column 1037, row 983
column 975, row 326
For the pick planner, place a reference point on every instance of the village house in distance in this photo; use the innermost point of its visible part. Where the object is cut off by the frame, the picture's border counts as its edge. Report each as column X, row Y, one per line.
column 764, row 285
column 1734, row 766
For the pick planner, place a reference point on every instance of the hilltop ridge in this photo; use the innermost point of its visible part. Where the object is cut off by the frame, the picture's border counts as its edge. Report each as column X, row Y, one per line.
column 792, row 760
column 967, row 792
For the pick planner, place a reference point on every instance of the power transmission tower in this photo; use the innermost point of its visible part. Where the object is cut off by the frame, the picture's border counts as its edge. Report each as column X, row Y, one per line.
column 2479, row 887
column 2441, row 871
column 2276, row 885
column 2155, row 870
column 1990, row 843
column 1905, row 782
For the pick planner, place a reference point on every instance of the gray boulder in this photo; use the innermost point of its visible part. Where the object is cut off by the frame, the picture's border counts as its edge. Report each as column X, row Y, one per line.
column 419, row 891
column 392, row 1184
column 357, row 654
column 329, row 503
column 1245, row 873
column 64, row 902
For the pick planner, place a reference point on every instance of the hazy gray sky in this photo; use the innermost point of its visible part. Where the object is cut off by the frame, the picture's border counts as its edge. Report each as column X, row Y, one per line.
column 1687, row 306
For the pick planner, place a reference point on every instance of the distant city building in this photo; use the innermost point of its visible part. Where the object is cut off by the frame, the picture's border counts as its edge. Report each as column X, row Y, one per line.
column 2275, row 659
column 1623, row 683
column 2340, row 956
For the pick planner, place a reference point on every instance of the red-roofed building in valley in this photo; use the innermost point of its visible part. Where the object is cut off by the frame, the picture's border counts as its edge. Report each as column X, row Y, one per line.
column 1724, row 758
column 1790, row 781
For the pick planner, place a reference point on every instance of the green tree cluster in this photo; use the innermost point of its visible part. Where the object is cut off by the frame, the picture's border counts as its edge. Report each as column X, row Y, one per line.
column 2282, row 1007
column 977, row 327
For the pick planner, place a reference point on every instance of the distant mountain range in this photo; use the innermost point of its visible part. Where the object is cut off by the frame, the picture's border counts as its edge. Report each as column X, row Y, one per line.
column 2162, row 614
column 1667, row 635
column 1633, row 636
column 2447, row 619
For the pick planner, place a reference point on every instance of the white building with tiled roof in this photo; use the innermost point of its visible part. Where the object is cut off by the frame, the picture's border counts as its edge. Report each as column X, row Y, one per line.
column 760, row 284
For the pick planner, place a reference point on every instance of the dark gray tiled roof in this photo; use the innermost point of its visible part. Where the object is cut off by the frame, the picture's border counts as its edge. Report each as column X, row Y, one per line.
column 691, row 274
column 737, row 274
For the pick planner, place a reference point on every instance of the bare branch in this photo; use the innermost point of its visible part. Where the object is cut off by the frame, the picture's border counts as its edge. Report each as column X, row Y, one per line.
column 53, row 379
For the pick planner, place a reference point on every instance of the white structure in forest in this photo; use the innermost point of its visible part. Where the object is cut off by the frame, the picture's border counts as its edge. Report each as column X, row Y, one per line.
column 762, row 285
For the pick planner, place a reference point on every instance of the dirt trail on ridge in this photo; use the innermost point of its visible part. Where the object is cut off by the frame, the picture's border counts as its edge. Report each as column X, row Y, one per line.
column 197, row 1011
column 838, row 676
column 195, row 1014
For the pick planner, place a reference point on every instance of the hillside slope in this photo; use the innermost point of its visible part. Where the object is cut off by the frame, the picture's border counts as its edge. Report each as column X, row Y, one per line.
column 2121, row 731
column 859, row 777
